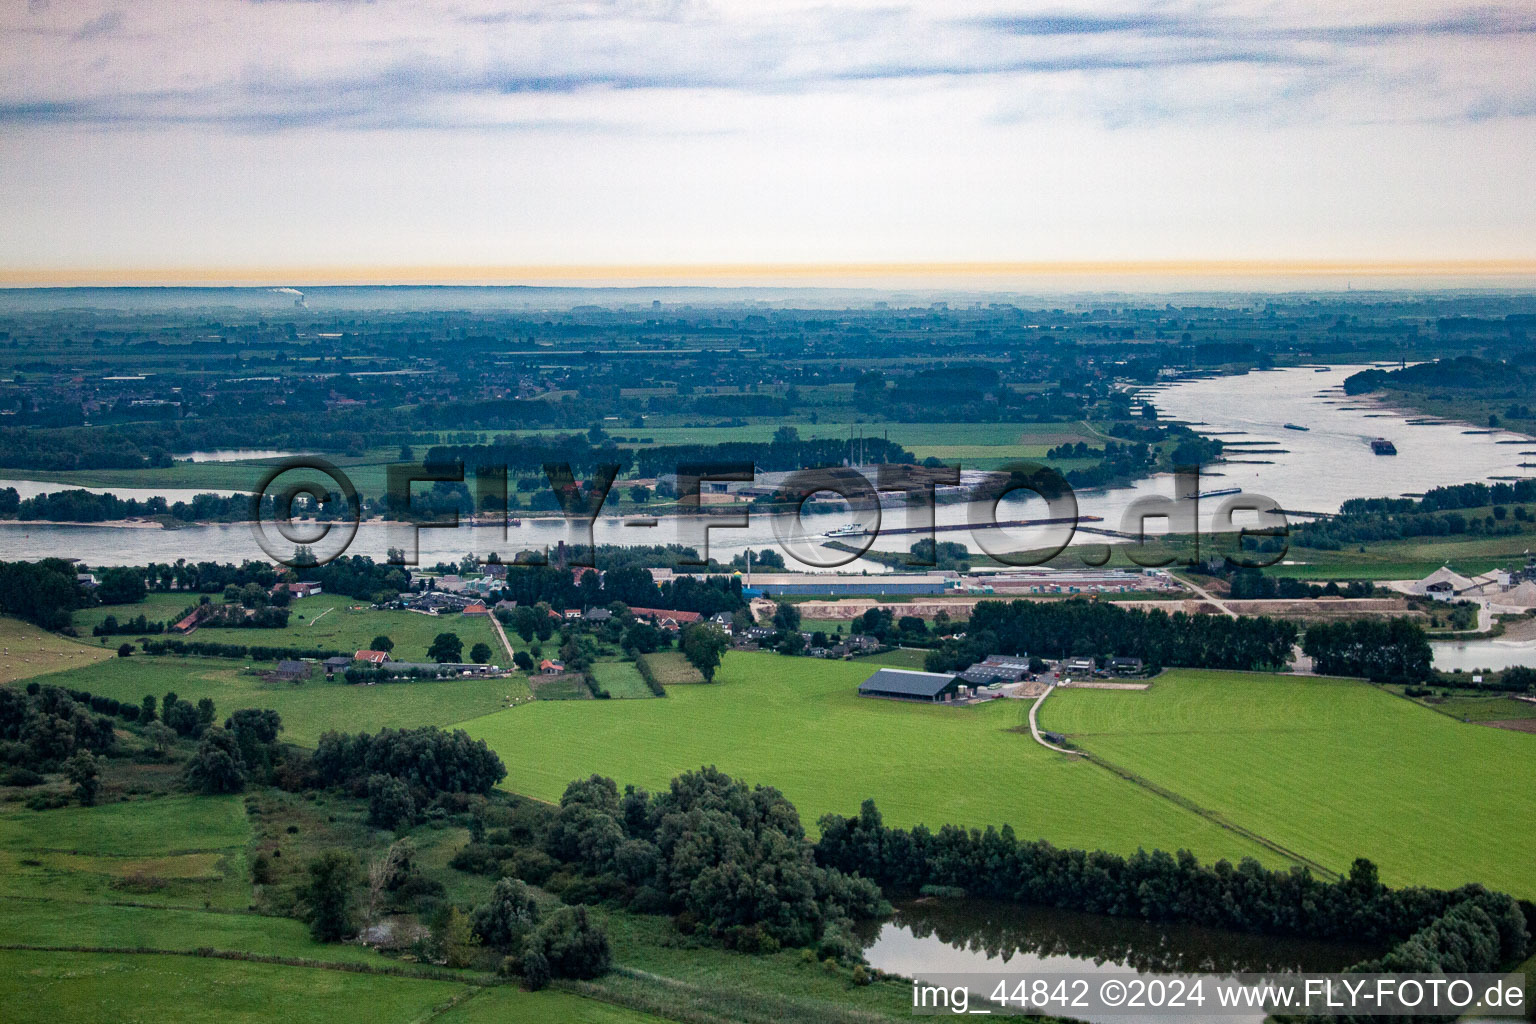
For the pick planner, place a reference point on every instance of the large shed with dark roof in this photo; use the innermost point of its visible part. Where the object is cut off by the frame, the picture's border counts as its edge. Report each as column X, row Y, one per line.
column 906, row 684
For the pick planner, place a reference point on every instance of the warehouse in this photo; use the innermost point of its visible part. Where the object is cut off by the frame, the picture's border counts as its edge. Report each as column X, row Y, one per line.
column 906, row 684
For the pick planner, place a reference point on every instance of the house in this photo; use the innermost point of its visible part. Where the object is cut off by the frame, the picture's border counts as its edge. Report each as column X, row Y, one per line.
column 293, row 670
column 667, row 617
column 496, row 570
column 297, row 590
column 372, row 657
column 723, row 620
column 861, row 642
column 906, row 684
column 188, row 624
column 1127, row 666
column 597, row 615
column 551, row 668
column 474, row 609
column 87, row 580
column 1080, row 666
column 334, row 665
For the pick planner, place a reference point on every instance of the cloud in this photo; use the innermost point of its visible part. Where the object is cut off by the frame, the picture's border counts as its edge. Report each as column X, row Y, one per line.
column 105, row 24
column 269, row 65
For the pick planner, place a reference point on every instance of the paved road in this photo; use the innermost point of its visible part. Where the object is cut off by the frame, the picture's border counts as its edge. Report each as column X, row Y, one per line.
column 1034, row 726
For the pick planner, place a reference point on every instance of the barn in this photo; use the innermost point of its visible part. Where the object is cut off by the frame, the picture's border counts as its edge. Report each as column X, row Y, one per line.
column 906, row 684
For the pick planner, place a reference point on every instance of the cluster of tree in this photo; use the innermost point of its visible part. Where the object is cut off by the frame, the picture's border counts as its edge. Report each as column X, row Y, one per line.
column 137, row 626
column 244, row 750
column 786, row 452
column 237, row 616
column 719, row 856
column 1157, row 886
column 631, row 585
column 80, row 506
column 44, row 593
column 425, row 762
column 886, row 626
column 43, row 727
column 1117, row 463
column 564, row 944
column 209, row 649
column 1254, row 584
column 1383, row 651
column 1461, row 373
column 1060, row 629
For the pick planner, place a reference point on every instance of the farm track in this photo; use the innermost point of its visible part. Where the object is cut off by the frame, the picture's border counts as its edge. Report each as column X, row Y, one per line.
column 1215, row 818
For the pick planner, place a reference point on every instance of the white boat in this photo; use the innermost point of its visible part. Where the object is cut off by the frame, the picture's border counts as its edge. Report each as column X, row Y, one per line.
column 846, row 530
column 1221, row 492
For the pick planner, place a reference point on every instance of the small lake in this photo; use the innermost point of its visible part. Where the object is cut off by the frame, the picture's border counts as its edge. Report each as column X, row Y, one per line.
column 933, row 937
column 1495, row 655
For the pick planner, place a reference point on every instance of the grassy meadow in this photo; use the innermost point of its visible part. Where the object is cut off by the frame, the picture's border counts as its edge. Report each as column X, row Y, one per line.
column 799, row 725
column 325, row 622
column 1332, row 769
column 309, row 708
column 27, row 650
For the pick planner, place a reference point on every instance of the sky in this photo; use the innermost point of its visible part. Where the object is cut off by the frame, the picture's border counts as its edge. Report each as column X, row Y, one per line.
column 294, row 141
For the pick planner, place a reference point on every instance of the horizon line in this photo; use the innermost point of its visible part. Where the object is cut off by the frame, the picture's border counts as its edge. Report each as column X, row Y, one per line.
column 772, row 273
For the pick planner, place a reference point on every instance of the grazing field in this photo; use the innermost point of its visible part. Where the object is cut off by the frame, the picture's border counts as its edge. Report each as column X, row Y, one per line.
column 308, row 709
column 1331, row 769
column 799, row 725
column 621, row 679
column 113, row 988
column 326, row 622
column 508, row 1004
column 27, row 650
column 672, row 669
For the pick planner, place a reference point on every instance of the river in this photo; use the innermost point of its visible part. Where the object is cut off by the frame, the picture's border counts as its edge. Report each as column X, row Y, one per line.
column 1315, row 470
column 927, row 938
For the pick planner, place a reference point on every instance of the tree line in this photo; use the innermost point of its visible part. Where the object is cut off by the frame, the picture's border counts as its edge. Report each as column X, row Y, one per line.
column 1421, row 924
column 1081, row 628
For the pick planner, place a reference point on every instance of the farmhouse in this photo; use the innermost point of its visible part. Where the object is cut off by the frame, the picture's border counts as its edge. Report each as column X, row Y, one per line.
column 338, row 664
column 551, row 668
column 296, row 590
column 474, row 609
column 372, row 657
column 906, row 684
column 1079, row 665
column 1126, row 666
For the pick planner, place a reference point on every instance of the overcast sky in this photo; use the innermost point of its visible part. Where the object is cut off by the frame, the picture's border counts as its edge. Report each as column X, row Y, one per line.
column 230, row 139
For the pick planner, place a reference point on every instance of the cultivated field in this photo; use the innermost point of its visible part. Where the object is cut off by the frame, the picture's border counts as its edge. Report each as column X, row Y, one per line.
column 621, row 679
column 26, row 651
column 1330, row 769
column 800, row 726
column 308, row 708
column 672, row 669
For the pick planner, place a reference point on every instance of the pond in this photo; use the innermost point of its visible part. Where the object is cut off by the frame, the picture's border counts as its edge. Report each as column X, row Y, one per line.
column 932, row 937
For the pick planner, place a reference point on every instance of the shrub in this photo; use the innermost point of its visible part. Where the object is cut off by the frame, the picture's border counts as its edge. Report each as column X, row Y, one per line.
column 572, row 944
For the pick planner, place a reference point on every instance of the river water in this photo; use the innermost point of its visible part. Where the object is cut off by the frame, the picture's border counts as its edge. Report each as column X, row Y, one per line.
column 927, row 938
column 1314, row 471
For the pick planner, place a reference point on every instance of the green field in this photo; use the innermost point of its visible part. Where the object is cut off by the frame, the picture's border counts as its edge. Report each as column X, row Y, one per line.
column 308, row 709
column 799, row 725
column 672, row 669
column 114, row 988
column 26, row 651
column 1331, row 769
column 621, row 679
column 327, row 622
